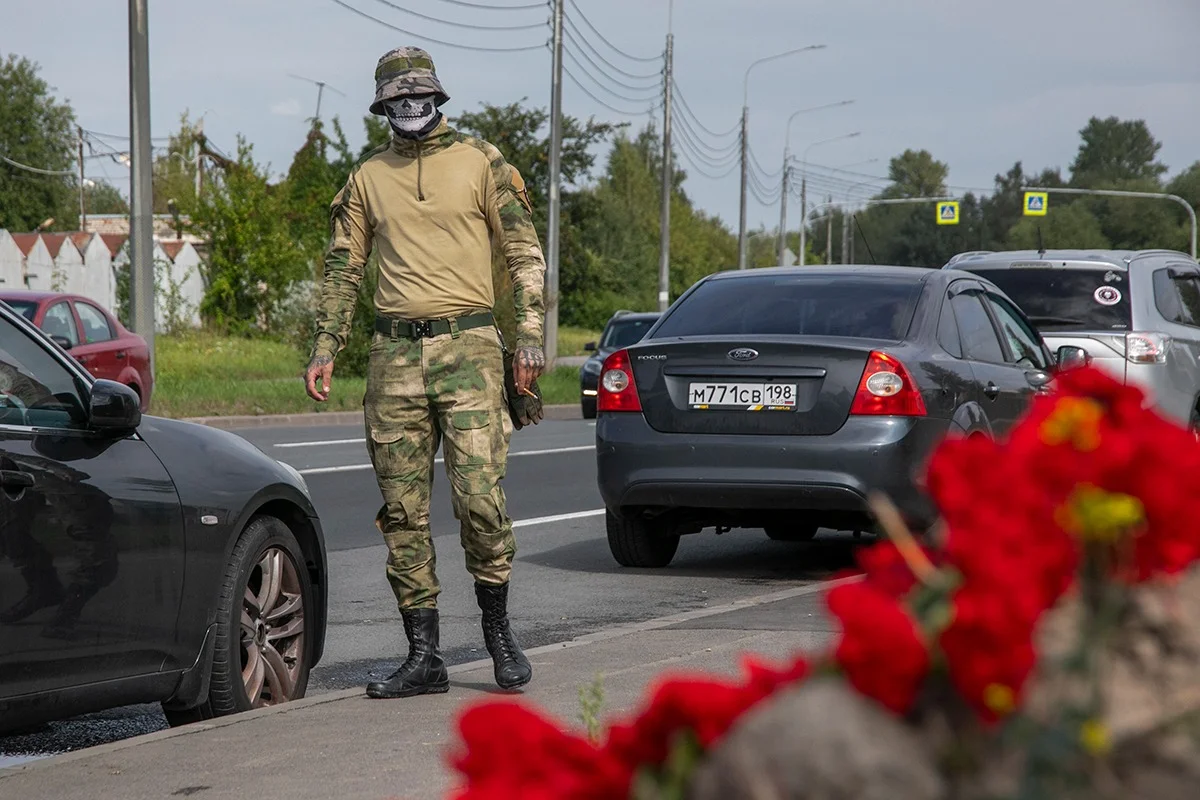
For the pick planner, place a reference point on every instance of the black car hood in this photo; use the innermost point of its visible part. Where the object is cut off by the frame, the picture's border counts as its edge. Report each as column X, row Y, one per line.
column 215, row 468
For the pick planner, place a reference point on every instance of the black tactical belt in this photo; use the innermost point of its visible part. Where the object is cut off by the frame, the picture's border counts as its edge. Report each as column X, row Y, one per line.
column 428, row 328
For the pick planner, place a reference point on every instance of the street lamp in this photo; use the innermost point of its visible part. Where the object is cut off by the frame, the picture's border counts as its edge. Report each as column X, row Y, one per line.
column 804, row 187
column 787, row 143
column 745, row 141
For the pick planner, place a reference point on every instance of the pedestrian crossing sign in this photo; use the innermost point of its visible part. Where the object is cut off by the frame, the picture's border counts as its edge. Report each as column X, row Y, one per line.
column 1036, row 204
column 947, row 213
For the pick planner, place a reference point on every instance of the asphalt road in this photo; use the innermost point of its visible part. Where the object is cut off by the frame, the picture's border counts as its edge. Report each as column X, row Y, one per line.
column 565, row 582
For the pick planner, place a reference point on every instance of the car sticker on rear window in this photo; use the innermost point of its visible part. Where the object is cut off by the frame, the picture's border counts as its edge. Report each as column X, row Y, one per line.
column 1107, row 295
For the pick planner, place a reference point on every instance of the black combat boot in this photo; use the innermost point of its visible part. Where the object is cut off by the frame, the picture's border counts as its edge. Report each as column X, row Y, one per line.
column 511, row 666
column 424, row 671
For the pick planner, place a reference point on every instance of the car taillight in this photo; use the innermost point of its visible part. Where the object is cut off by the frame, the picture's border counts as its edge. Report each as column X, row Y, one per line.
column 1146, row 348
column 618, row 392
column 887, row 389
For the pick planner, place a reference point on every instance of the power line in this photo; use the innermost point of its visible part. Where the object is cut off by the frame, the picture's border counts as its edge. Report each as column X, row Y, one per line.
column 467, row 25
column 755, row 163
column 489, row 7
column 610, row 107
column 570, row 27
column 699, row 165
column 711, row 160
column 729, row 150
column 442, row 42
column 678, row 94
column 711, row 176
column 612, row 46
column 655, row 88
column 601, row 84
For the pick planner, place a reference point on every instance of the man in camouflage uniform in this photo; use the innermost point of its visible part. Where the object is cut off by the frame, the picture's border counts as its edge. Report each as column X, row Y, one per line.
column 432, row 202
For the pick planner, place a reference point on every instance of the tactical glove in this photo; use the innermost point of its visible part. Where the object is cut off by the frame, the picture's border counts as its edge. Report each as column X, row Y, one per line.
column 523, row 409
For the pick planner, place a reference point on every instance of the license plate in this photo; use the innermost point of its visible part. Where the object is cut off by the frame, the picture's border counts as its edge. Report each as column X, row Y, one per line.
column 747, row 396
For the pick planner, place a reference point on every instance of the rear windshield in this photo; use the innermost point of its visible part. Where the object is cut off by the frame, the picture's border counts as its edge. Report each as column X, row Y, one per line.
column 23, row 307
column 1067, row 299
column 623, row 333
column 796, row 305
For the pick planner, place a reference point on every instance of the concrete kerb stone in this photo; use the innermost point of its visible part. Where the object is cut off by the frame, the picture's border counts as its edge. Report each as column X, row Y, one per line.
column 319, row 418
column 607, row 634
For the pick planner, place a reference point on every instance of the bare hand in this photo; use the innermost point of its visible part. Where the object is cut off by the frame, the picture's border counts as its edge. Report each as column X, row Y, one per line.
column 318, row 376
column 528, row 366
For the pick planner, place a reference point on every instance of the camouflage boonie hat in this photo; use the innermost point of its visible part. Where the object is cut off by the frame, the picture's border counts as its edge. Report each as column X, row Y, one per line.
column 405, row 71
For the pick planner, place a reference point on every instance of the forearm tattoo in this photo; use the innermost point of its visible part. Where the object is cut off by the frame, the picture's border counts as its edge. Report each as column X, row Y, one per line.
column 319, row 361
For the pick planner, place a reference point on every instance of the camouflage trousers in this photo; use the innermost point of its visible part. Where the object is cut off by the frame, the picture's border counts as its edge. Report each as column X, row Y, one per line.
column 421, row 393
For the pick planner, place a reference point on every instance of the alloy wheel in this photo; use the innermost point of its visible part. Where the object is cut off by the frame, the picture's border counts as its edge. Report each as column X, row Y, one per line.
column 272, row 630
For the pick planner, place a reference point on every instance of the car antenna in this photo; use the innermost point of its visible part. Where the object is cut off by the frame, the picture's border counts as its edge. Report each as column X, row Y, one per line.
column 864, row 237
column 1041, row 243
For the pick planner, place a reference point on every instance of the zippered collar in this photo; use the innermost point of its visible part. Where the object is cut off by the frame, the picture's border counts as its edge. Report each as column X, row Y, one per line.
column 442, row 137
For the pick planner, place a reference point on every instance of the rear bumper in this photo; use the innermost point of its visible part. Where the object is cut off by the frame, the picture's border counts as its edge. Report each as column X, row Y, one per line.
column 638, row 466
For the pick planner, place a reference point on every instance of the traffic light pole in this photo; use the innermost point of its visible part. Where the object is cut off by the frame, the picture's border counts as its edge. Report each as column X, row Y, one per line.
column 1120, row 193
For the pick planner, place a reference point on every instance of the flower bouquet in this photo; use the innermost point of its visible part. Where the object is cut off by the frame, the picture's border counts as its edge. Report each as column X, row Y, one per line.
column 1033, row 646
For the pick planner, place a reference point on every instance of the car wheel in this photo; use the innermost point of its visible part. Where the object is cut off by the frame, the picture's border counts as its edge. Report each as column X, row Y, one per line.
column 263, row 653
column 639, row 542
column 588, row 406
column 803, row 532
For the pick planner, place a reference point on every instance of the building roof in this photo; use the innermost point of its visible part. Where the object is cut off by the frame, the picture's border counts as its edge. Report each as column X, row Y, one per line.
column 25, row 241
column 81, row 239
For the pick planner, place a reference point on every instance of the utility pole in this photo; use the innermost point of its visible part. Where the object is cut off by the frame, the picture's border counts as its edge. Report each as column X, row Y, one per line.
column 803, row 184
column 199, row 157
column 829, row 233
column 741, row 264
column 141, row 232
column 853, row 222
column 82, row 205
column 321, row 87
column 787, row 146
column 845, row 235
column 745, row 141
column 668, row 177
column 803, row 216
column 783, row 212
column 551, row 343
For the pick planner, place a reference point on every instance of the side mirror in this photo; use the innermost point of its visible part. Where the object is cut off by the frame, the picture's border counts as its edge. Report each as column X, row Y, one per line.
column 590, row 347
column 61, row 341
column 114, row 407
column 1070, row 357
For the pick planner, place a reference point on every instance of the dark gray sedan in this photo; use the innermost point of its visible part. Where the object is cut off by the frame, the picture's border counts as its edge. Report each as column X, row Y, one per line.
column 781, row 398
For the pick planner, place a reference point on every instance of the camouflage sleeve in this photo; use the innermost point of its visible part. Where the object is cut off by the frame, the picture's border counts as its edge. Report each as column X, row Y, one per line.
column 345, row 258
column 511, row 219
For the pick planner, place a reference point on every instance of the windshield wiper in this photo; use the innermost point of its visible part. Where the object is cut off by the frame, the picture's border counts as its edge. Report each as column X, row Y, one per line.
column 1040, row 320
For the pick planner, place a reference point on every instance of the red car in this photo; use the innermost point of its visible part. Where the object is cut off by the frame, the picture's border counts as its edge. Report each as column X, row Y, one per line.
column 93, row 336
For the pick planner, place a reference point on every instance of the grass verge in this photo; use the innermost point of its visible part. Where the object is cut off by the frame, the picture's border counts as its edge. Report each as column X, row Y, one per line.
column 205, row 375
column 572, row 340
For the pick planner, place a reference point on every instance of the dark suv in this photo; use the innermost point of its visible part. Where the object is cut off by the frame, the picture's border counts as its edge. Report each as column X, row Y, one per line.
column 623, row 329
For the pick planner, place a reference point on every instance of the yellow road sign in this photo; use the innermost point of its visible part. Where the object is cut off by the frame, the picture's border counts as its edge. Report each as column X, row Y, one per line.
column 947, row 213
column 1036, row 204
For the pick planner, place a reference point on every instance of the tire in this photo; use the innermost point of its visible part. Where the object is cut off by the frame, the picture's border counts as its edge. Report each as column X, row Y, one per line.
column 588, row 406
column 638, row 542
column 282, row 660
column 792, row 533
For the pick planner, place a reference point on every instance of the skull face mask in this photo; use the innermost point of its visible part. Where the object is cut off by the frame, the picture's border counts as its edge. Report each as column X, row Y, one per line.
column 412, row 116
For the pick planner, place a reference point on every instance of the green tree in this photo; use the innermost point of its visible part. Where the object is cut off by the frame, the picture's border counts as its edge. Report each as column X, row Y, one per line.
column 1003, row 209
column 312, row 181
column 1068, row 226
column 101, row 197
column 915, row 173
column 38, row 131
column 253, row 262
column 175, row 169
column 1115, row 150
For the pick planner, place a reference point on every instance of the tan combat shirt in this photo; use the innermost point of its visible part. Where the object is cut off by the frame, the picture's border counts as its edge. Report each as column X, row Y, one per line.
column 431, row 209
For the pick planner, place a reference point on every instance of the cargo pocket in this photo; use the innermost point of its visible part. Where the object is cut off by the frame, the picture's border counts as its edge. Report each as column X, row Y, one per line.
column 386, row 447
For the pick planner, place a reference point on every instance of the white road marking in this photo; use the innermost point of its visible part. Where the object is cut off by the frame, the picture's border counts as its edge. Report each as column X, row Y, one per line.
column 357, row 467
column 322, row 444
column 525, row 523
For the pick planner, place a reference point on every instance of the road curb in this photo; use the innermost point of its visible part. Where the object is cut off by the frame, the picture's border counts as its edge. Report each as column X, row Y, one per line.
column 318, row 418
column 604, row 635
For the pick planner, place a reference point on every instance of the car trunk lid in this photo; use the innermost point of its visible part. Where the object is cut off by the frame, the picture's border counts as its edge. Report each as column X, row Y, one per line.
column 770, row 385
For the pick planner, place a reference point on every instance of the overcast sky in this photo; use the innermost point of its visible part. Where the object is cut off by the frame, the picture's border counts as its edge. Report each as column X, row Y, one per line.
column 979, row 83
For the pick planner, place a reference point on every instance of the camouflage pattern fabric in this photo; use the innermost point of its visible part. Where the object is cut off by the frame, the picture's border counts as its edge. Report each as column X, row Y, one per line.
column 406, row 71
column 379, row 208
column 422, row 393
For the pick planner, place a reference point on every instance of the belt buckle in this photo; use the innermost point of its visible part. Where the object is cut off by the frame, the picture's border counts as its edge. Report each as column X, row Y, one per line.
column 423, row 329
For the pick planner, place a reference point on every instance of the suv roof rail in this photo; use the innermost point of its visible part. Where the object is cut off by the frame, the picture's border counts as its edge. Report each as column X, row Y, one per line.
column 959, row 257
column 1163, row 251
column 622, row 312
